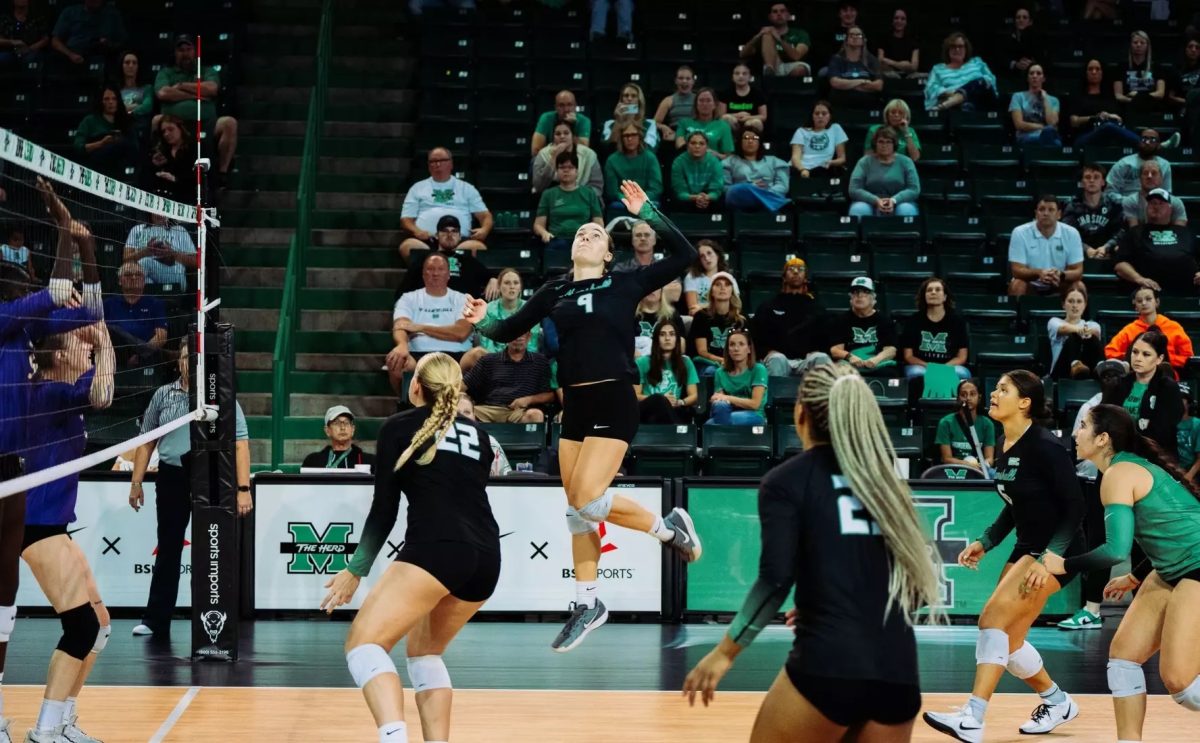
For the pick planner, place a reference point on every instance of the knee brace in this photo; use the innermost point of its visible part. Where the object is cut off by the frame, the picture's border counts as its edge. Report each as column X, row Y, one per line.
column 598, row 510
column 428, row 672
column 992, row 647
column 368, row 661
column 1025, row 661
column 8, row 620
column 1189, row 698
column 80, row 628
column 577, row 525
column 1125, row 678
column 102, row 638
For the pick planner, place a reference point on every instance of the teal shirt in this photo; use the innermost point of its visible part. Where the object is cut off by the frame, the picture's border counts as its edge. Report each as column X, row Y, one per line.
column 1133, row 403
column 496, row 311
column 720, row 137
column 742, row 385
column 567, row 211
column 669, row 385
column 545, row 125
column 1166, row 522
column 92, row 128
column 1188, row 437
column 642, row 168
column 950, row 432
column 901, row 146
column 690, row 176
column 872, row 179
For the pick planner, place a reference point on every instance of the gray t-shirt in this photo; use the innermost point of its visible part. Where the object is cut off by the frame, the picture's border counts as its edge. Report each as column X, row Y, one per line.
column 171, row 402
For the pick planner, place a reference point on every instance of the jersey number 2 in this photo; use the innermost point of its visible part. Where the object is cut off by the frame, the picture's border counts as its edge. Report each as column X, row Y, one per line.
column 854, row 518
column 465, row 442
column 585, row 301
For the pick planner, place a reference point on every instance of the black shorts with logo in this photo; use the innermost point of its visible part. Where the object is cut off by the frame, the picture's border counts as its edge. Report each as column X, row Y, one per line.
column 468, row 572
column 851, row 702
column 607, row 410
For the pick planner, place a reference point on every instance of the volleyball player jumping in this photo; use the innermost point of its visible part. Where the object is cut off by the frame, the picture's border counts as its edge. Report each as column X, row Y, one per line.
column 839, row 525
column 594, row 312
column 1035, row 475
column 1148, row 497
column 450, row 560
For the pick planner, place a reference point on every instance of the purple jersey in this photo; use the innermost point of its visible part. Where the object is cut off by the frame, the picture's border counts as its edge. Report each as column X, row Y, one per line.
column 57, row 435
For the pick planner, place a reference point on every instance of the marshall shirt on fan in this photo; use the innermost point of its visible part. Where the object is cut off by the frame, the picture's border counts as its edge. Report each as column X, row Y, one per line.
column 865, row 336
column 935, row 342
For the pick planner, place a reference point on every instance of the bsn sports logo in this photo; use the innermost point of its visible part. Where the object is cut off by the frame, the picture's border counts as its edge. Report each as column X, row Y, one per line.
column 607, row 573
column 326, row 551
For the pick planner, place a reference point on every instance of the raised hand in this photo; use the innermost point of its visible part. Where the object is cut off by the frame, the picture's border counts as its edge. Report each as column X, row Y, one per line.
column 633, row 197
column 474, row 310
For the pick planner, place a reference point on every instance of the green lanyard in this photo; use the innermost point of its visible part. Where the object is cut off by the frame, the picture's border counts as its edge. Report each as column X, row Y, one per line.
column 333, row 464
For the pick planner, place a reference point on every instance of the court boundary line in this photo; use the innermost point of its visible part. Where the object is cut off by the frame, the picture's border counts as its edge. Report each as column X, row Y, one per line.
column 180, row 707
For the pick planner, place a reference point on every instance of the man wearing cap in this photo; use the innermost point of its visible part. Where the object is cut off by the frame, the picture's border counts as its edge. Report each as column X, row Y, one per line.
column 1157, row 253
column 865, row 338
column 88, row 31
column 175, row 88
column 1124, row 175
column 786, row 328
column 1134, row 206
column 439, row 195
column 341, row 453
column 1045, row 255
column 467, row 273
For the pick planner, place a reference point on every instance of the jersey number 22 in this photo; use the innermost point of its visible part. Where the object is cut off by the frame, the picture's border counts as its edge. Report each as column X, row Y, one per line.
column 464, row 442
column 853, row 518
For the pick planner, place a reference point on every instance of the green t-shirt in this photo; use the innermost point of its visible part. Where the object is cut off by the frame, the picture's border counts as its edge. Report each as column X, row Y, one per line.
column 566, row 211
column 720, row 138
column 951, row 433
column 496, row 312
column 669, row 384
column 901, row 146
column 1188, row 436
column 545, row 125
column 186, row 110
column 795, row 37
column 1133, row 403
column 742, row 385
column 92, row 128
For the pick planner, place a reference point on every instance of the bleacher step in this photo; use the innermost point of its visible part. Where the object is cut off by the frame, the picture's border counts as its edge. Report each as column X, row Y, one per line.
column 321, row 320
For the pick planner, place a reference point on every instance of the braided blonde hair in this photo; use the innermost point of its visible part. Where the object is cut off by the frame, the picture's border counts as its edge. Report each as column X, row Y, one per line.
column 441, row 384
column 841, row 409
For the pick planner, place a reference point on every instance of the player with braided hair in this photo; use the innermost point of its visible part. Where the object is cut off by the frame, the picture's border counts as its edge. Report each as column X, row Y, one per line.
column 450, row 560
column 838, row 524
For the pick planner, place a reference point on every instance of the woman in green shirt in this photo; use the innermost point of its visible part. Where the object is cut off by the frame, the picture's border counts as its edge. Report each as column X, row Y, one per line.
column 511, row 286
column 897, row 115
column 632, row 162
column 668, row 386
column 697, row 179
column 954, row 443
column 1146, row 496
column 1150, row 393
column 104, row 139
column 705, row 119
column 740, row 385
column 564, row 208
column 138, row 99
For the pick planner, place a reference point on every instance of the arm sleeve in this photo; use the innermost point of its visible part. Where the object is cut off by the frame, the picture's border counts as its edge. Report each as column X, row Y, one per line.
column 530, row 314
column 678, row 179
column 727, row 170
column 543, row 170
column 1000, row 528
column 612, row 181
column 780, row 520
column 858, row 190
column 781, row 178
column 716, row 179
column 62, row 320
column 385, row 504
column 912, row 182
column 14, row 315
column 683, row 253
column 1118, row 540
column 1066, row 487
column 654, row 188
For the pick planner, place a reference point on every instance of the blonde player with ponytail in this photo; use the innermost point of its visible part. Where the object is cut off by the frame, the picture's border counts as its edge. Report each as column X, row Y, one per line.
column 450, row 560
column 839, row 524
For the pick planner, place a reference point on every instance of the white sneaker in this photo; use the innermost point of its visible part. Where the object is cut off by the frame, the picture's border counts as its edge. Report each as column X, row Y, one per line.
column 72, row 732
column 141, row 630
column 5, row 736
column 959, row 724
column 1046, row 717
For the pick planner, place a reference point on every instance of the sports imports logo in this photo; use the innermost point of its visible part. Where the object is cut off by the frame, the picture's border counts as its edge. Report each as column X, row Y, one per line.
column 214, row 623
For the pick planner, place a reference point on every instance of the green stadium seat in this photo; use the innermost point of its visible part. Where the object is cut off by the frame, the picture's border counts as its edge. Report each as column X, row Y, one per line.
column 763, row 232
column 891, row 393
column 827, row 231
column 446, row 73
column 1071, row 394
column 979, row 273
column 816, row 194
column 787, row 441
column 504, row 74
column 664, row 450
column 736, row 450
column 909, row 443
column 519, row 440
column 447, row 42
column 992, row 318
column 698, row 226
column 1005, row 196
column 504, row 43
column 502, row 138
column 453, row 106
column 828, row 266
column 892, row 234
column 506, row 108
column 762, row 267
column 1003, row 352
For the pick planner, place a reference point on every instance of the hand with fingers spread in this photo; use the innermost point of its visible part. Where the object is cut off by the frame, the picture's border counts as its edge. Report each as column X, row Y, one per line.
column 703, row 679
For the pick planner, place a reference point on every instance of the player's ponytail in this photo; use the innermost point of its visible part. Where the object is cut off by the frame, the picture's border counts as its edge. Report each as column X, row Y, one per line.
column 440, row 379
column 842, row 410
column 1116, row 421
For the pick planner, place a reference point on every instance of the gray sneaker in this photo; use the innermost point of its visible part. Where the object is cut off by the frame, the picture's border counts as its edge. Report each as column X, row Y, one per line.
column 55, row 736
column 582, row 621
column 686, row 541
column 72, row 732
column 5, row 736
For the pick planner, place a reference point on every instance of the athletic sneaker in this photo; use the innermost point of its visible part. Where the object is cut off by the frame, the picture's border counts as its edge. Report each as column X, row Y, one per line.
column 582, row 621
column 1083, row 619
column 55, row 736
column 1046, row 717
column 72, row 732
column 5, row 736
column 141, row 630
column 686, row 541
column 959, row 724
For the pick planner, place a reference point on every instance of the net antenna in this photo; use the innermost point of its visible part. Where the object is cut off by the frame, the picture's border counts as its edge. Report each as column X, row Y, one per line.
column 204, row 412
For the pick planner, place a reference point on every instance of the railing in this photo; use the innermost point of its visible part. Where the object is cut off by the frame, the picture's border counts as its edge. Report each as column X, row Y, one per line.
column 283, row 361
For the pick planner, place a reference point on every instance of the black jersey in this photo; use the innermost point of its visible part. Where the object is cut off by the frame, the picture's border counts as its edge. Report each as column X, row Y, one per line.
column 447, row 498
column 815, row 532
column 1042, row 499
column 596, row 318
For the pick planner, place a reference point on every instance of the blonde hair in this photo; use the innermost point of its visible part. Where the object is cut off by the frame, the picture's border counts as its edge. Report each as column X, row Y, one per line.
column 841, row 409
column 441, row 384
column 666, row 308
column 896, row 104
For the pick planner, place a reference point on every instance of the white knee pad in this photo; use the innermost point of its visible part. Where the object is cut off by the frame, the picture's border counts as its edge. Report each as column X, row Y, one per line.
column 368, row 661
column 1025, row 661
column 577, row 525
column 8, row 620
column 992, row 647
column 1126, row 678
column 102, row 638
column 598, row 509
column 427, row 672
column 1189, row 698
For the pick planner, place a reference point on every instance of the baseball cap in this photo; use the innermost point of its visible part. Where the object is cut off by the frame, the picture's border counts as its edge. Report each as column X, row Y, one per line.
column 182, row 39
column 1159, row 193
column 863, row 282
column 337, row 410
column 448, row 220
column 723, row 275
column 794, row 261
column 1112, row 367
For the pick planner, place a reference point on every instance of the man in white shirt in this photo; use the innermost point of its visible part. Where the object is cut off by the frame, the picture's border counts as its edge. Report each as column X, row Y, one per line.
column 165, row 251
column 435, row 197
column 428, row 320
column 1045, row 255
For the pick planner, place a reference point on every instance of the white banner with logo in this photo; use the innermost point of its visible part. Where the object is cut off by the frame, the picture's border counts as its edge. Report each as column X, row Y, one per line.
column 306, row 532
column 119, row 544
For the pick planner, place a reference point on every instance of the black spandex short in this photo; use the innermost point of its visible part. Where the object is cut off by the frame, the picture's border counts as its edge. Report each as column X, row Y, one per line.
column 37, row 532
column 607, row 410
column 852, row 702
column 470, row 573
column 1020, row 551
column 1193, row 575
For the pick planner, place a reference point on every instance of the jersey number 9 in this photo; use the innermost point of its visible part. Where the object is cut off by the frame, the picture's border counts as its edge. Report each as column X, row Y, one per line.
column 585, row 301
column 464, row 442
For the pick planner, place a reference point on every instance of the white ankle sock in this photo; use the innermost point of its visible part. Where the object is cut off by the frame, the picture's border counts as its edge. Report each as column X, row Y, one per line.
column 660, row 531
column 393, row 732
column 978, row 707
column 70, row 710
column 586, row 592
column 1093, row 607
column 50, row 716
